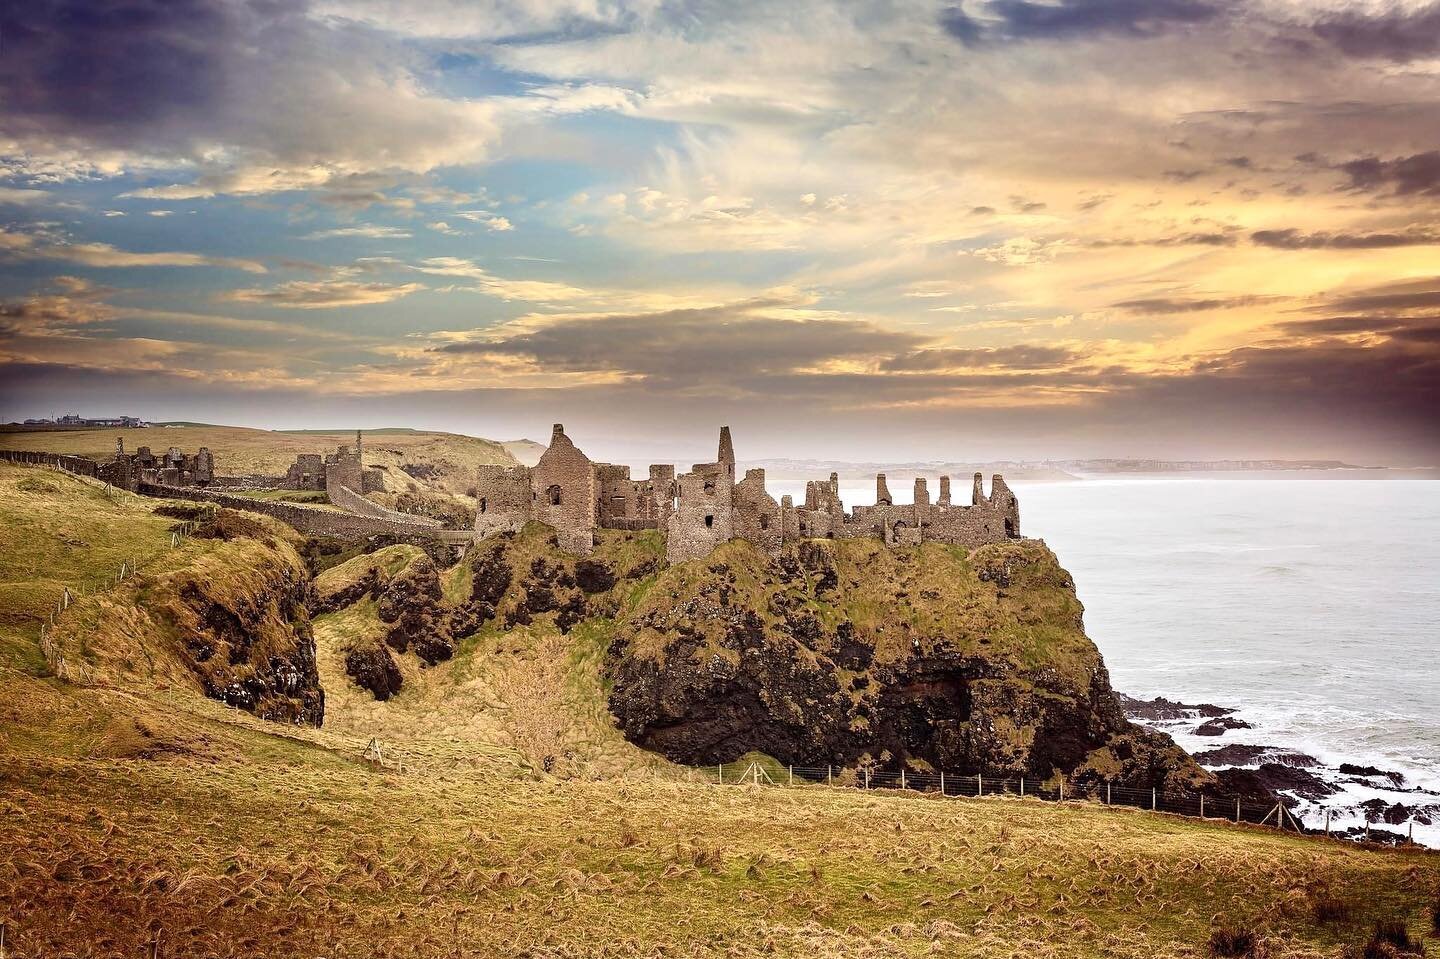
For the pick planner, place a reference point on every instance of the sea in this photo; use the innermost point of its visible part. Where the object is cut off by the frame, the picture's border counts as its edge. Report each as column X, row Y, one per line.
column 1309, row 602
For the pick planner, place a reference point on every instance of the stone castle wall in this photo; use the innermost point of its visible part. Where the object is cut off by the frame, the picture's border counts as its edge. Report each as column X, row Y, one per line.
column 309, row 520
column 84, row 466
column 352, row 502
column 564, row 486
column 706, row 507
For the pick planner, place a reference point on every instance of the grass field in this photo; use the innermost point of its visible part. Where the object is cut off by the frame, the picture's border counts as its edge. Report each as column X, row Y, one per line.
column 241, row 451
column 137, row 815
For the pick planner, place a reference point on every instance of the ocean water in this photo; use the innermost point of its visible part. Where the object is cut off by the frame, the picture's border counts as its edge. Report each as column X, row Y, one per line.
column 1312, row 606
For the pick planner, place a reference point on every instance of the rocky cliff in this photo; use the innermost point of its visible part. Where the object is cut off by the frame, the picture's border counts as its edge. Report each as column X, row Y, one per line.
column 229, row 615
column 839, row 652
column 849, row 653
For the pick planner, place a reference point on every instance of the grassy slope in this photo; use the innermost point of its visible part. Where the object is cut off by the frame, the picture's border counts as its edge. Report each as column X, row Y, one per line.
column 239, row 450
column 134, row 808
column 525, row 693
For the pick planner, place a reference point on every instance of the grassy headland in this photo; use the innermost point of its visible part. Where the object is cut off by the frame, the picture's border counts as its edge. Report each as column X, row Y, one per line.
column 138, row 810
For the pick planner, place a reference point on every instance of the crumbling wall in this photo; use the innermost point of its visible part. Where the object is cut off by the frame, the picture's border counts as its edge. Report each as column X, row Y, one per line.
column 352, row 502
column 309, row 520
column 503, row 499
column 757, row 517
column 306, row 473
column 564, row 486
column 703, row 518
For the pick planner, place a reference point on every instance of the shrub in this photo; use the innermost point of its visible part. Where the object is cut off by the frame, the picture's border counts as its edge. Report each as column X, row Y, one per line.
column 1232, row 941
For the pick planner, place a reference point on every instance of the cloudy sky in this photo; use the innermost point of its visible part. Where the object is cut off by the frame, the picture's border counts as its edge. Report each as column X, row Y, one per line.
column 866, row 230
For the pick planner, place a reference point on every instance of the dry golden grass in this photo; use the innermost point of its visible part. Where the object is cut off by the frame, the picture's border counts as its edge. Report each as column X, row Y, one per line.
column 136, row 811
column 294, row 850
column 239, row 450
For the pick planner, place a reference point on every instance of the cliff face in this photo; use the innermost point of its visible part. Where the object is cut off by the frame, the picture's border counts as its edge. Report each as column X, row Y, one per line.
column 231, row 616
column 847, row 652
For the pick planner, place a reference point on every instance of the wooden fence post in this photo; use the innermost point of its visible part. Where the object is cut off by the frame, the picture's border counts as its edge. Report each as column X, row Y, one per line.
column 1237, row 810
column 1022, row 785
column 867, row 778
column 1107, row 794
column 1152, row 798
column 720, row 773
column 902, row 777
column 1327, row 822
column 979, row 784
column 942, row 784
column 829, row 775
column 792, row 774
column 1202, row 805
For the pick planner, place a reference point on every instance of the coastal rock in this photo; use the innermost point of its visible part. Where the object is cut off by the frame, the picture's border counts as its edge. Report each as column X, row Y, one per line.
column 1218, row 727
column 1270, row 779
column 1161, row 709
column 1370, row 772
column 1238, row 754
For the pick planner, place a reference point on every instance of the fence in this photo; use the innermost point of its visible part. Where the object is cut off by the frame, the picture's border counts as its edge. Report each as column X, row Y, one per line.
column 1054, row 789
column 66, row 668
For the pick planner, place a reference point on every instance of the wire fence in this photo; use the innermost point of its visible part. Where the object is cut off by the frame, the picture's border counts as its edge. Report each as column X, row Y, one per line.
column 69, row 668
column 1187, row 803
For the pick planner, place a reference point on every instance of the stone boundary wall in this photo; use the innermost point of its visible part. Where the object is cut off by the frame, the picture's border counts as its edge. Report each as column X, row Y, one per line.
column 248, row 482
column 305, row 519
column 352, row 502
column 81, row 465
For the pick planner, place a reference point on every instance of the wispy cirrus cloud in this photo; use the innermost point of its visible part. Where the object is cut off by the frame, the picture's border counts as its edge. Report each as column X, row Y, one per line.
column 106, row 255
column 323, row 294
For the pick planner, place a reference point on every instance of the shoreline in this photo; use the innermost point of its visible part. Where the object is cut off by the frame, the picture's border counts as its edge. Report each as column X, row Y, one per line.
column 1355, row 791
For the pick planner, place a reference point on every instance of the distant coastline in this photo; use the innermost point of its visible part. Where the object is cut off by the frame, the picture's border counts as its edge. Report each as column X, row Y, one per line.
column 1057, row 471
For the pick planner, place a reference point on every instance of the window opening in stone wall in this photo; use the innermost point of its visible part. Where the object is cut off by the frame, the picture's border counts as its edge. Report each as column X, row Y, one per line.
column 553, row 494
column 709, row 487
column 482, row 504
column 764, row 521
column 709, row 520
column 1010, row 528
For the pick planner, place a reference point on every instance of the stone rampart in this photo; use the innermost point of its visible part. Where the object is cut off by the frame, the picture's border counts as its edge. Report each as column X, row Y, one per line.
column 71, row 464
column 352, row 502
column 306, row 519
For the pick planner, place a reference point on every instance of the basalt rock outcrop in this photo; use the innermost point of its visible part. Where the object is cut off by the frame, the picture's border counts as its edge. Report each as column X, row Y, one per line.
column 852, row 653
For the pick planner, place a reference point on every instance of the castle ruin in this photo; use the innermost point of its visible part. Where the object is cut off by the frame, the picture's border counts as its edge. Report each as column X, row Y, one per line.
column 344, row 467
column 701, row 509
column 171, row 468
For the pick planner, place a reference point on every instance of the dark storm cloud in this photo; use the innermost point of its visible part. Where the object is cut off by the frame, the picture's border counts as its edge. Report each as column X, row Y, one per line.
column 1295, row 240
column 1024, row 356
column 109, row 70
column 256, row 94
column 1408, row 312
column 1026, row 20
column 1166, row 305
column 1394, row 34
column 1391, row 298
column 1406, row 176
column 718, row 343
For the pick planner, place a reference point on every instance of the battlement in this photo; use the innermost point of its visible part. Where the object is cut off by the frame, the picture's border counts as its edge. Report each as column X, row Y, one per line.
column 700, row 509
